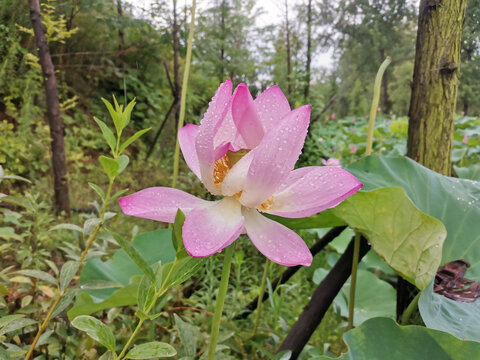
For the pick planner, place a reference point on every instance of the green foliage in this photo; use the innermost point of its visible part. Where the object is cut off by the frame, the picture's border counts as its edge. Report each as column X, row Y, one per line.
column 382, row 338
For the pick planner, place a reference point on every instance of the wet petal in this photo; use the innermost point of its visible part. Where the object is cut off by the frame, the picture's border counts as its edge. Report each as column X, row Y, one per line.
column 245, row 117
column 277, row 242
column 275, row 157
column 204, row 141
column 186, row 138
column 210, row 229
column 271, row 107
column 310, row 190
column 160, row 203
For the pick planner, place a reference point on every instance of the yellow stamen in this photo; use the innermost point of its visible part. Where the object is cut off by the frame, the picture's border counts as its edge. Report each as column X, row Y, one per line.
column 266, row 205
column 220, row 169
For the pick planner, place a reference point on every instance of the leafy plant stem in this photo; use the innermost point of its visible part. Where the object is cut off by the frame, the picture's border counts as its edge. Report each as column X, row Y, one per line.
column 43, row 326
column 222, row 292
column 374, row 107
column 158, row 294
column 409, row 310
column 61, row 294
column 176, row 156
column 263, row 286
column 353, row 280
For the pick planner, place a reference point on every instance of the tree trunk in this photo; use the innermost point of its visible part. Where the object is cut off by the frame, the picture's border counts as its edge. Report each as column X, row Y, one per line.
column 176, row 66
column 62, row 202
column 289, row 60
column 309, row 51
column 121, row 34
column 386, row 103
column 435, row 83
column 223, row 9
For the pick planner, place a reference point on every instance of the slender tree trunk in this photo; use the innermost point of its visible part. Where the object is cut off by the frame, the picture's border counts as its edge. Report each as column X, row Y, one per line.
column 121, row 34
column 386, row 103
column 309, row 51
column 435, row 83
column 289, row 58
column 62, row 202
column 222, row 42
column 176, row 45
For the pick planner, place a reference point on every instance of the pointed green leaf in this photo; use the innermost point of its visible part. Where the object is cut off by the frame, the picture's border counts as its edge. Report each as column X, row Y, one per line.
column 96, row 330
column 98, row 190
column 38, row 274
column 135, row 255
column 107, row 134
column 7, row 319
column 118, row 194
column 187, row 337
column 114, row 114
column 69, row 269
column 65, row 302
column 150, row 350
column 127, row 113
column 409, row 240
column 132, row 138
column 145, row 293
column 177, row 238
column 72, row 227
column 16, row 325
column 122, row 162
column 183, row 270
column 111, row 166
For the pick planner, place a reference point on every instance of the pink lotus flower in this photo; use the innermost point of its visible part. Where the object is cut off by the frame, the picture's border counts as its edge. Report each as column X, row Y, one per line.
column 465, row 140
column 353, row 149
column 245, row 150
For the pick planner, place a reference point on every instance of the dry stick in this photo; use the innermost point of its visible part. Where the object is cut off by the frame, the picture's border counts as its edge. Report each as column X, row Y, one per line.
column 325, row 108
column 321, row 300
column 287, row 274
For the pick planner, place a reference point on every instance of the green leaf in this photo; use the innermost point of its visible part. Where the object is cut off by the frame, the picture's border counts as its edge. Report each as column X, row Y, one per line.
column 122, row 162
column 3, row 290
column 177, row 238
column 98, row 190
column 111, row 166
column 187, row 336
column 99, row 284
column 96, row 330
column 114, row 114
column 382, row 304
column 150, row 350
column 154, row 246
column 183, row 270
column 16, row 201
column 382, row 338
column 69, row 269
column 136, row 256
column 38, row 274
column 472, row 172
column 7, row 319
column 132, row 138
column 72, row 227
column 456, row 202
column 9, row 233
column 146, row 293
column 118, row 194
column 457, row 318
column 127, row 113
column 65, row 302
column 409, row 240
column 16, row 324
column 107, row 134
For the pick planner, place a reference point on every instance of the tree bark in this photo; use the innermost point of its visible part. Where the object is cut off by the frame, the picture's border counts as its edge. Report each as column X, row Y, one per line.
column 320, row 301
column 435, row 83
column 121, row 34
column 309, row 51
column 62, row 202
column 176, row 44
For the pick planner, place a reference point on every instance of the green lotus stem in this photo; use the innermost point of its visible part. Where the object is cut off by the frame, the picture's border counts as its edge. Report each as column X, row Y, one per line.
column 374, row 107
column 353, row 279
column 222, row 292
column 410, row 309
column 263, row 286
column 186, row 72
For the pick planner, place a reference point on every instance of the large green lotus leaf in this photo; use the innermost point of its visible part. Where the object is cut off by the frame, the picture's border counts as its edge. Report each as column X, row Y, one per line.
column 457, row 318
column 325, row 219
column 153, row 246
column 366, row 305
column 383, row 338
column 472, row 172
column 453, row 201
column 409, row 240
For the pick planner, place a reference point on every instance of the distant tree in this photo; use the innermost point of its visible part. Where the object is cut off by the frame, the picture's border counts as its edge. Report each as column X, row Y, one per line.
column 62, row 201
